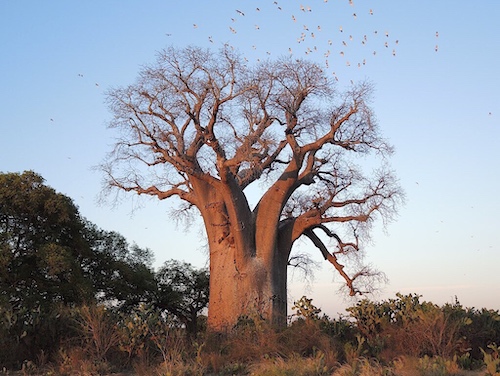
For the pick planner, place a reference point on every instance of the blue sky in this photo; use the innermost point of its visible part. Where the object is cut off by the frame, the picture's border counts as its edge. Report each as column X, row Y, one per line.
column 440, row 109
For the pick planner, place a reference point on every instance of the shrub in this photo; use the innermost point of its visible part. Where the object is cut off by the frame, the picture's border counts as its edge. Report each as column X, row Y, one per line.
column 492, row 360
column 294, row 365
column 406, row 326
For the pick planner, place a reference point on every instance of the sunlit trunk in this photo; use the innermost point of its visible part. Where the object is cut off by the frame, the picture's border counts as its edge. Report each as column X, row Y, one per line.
column 255, row 288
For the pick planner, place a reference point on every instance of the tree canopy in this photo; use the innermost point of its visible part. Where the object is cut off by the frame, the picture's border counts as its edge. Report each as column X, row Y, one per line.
column 183, row 291
column 50, row 254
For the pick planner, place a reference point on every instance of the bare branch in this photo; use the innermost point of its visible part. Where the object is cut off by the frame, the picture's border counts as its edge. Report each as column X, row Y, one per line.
column 332, row 258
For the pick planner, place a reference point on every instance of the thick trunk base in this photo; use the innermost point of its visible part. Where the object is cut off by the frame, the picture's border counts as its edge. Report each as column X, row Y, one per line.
column 257, row 291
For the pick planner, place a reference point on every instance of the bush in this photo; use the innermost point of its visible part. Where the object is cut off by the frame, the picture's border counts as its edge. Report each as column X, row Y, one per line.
column 406, row 326
column 33, row 334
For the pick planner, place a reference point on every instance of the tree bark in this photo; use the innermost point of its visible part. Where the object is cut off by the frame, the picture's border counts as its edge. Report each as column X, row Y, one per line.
column 254, row 288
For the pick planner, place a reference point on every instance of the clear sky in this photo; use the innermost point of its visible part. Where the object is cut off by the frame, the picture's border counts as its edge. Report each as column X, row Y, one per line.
column 434, row 65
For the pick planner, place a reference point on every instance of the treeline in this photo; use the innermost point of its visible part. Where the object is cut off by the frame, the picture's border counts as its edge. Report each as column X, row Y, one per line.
column 55, row 264
column 76, row 299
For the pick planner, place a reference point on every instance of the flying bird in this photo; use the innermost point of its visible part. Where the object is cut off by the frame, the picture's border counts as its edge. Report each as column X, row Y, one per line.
column 240, row 12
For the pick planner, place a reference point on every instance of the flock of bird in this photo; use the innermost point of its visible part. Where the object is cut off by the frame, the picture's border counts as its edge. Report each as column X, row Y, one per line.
column 331, row 46
column 310, row 39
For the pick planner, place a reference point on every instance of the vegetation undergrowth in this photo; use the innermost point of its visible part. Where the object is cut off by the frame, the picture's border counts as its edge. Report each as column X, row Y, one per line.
column 98, row 340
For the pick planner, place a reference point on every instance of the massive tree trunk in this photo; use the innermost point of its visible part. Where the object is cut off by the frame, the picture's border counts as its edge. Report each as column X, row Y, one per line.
column 253, row 286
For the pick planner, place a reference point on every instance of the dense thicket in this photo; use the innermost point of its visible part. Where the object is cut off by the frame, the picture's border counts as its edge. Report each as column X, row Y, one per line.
column 52, row 260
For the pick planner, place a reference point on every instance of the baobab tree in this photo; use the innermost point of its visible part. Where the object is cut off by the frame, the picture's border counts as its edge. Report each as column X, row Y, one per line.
column 203, row 126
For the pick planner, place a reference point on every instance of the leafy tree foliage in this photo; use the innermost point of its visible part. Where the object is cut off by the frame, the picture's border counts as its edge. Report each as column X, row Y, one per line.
column 49, row 253
column 121, row 272
column 52, row 259
column 41, row 244
column 183, row 291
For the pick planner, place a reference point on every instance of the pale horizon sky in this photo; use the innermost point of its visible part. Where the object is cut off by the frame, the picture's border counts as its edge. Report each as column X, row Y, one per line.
column 440, row 109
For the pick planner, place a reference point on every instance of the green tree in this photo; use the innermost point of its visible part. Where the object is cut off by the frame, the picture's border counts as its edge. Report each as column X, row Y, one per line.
column 41, row 244
column 183, row 291
column 203, row 127
column 51, row 260
column 121, row 272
